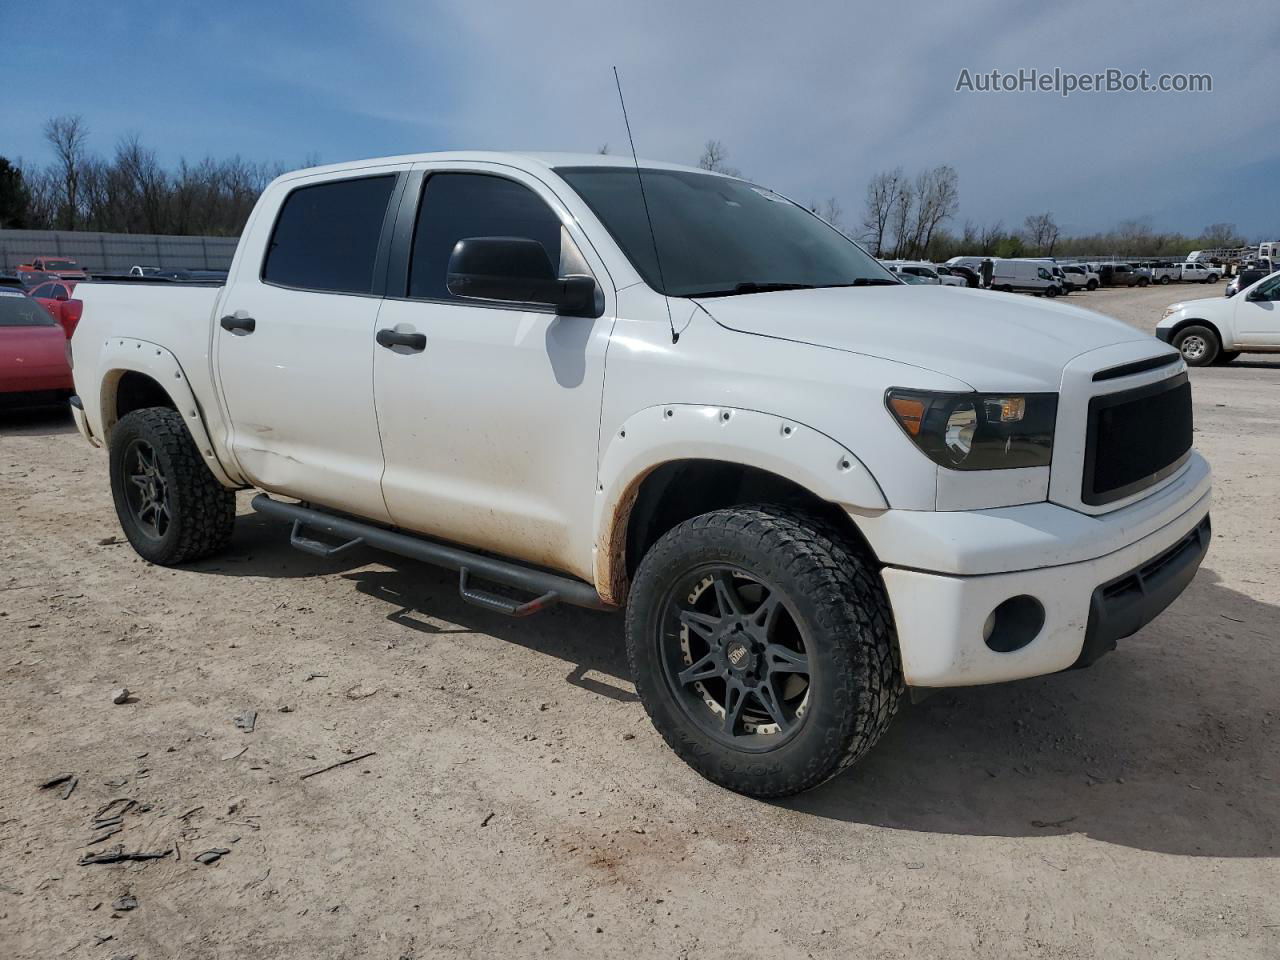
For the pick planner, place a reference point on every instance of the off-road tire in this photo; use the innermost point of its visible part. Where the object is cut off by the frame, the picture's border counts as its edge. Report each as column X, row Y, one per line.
column 202, row 511
column 836, row 596
column 1211, row 345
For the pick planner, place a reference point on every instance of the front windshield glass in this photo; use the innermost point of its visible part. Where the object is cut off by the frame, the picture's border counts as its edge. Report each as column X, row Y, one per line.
column 718, row 236
column 17, row 310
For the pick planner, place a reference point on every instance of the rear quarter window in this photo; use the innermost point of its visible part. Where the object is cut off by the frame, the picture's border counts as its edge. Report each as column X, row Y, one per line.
column 326, row 235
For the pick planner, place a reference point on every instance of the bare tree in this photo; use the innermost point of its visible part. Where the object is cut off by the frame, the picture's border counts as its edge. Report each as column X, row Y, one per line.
column 937, row 194
column 1042, row 232
column 831, row 211
column 904, row 206
column 715, row 157
column 1220, row 235
column 882, row 199
column 142, row 184
column 67, row 135
column 989, row 238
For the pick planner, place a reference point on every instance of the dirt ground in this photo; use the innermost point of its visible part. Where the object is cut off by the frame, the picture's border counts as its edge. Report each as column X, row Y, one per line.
column 517, row 802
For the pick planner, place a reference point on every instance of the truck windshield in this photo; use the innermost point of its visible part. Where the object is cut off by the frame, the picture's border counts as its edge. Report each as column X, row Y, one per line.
column 718, row 236
column 17, row 310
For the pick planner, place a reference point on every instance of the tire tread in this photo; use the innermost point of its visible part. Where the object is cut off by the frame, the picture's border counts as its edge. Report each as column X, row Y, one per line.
column 204, row 509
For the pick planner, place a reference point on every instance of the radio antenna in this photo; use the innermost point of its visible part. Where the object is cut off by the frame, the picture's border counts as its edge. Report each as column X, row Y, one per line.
column 653, row 237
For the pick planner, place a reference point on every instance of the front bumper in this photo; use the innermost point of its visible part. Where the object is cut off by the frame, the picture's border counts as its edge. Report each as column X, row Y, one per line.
column 942, row 618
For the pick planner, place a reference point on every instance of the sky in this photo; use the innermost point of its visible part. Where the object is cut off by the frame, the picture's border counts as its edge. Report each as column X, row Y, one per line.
column 811, row 99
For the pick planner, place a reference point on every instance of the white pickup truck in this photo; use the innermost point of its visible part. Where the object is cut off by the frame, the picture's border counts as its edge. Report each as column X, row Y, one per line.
column 1198, row 272
column 1219, row 329
column 811, row 485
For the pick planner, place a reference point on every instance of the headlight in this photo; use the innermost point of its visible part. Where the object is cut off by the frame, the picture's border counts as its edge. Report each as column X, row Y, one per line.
column 978, row 431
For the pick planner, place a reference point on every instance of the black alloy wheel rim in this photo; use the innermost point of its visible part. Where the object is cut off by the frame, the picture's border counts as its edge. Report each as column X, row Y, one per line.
column 146, row 491
column 735, row 657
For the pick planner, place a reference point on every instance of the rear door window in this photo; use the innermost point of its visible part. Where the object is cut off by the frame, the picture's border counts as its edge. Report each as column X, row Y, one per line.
column 326, row 236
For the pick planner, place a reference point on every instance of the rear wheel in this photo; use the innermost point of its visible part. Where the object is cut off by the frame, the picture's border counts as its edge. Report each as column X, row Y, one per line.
column 1165, row 279
column 762, row 647
column 1199, row 345
column 170, row 506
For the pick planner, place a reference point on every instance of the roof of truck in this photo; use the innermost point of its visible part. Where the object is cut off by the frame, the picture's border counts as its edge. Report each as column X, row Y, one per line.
column 510, row 158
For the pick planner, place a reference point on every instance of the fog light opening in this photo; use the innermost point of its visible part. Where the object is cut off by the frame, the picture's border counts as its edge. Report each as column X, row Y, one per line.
column 1013, row 624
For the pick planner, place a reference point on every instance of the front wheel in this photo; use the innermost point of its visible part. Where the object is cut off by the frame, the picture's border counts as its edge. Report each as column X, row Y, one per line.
column 1199, row 345
column 170, row 506
column 1093, row 285
column 1143, row 281
column 762, row 647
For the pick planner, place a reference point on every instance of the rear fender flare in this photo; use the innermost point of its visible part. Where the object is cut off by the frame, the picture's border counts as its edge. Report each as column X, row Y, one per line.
column 121, row 355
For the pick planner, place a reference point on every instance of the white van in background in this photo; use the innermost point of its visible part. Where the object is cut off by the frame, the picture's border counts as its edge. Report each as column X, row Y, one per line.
column 1024, row 276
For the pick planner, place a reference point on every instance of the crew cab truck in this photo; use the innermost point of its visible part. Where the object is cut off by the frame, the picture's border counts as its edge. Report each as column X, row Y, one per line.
column 1198, row 272
column 810, row 485
column 1219, row 329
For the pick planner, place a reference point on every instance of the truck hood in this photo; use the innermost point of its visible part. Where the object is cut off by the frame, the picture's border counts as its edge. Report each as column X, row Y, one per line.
column 1196, row 305
column 991, row 341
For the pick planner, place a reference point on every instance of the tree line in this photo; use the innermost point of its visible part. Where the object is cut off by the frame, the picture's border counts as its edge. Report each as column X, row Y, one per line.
column 908, row 217
column 129, row 191
column 905, row 216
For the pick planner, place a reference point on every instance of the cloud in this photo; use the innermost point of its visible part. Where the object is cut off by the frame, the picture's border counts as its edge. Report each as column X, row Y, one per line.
column 813, row 98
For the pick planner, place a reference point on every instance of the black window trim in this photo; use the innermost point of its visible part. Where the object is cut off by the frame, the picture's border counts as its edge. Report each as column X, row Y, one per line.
column 381, row 258
column 406, row 227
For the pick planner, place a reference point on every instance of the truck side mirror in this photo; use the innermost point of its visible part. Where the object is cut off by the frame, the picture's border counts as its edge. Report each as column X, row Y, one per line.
column 517, row 270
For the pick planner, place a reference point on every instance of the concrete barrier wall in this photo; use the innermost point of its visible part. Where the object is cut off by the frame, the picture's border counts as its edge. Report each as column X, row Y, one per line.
column 116, row 252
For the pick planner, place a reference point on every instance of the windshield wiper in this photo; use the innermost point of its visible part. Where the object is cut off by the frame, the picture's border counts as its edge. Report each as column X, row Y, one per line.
column 866, row 282
column 751, row 287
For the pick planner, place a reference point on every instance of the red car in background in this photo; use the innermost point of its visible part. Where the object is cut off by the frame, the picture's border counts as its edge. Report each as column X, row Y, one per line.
column 55, row 296
column 63, row 267
column 35, row 360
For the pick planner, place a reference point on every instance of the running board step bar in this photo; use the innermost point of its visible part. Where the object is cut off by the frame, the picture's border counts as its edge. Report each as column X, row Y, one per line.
column 549, row 588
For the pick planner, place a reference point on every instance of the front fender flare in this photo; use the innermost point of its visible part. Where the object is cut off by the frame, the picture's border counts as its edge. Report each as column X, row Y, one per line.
column 121, row 355
column 680, row 431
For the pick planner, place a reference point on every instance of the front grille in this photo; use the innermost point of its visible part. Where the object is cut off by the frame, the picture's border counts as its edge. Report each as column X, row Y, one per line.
column 1135, row 439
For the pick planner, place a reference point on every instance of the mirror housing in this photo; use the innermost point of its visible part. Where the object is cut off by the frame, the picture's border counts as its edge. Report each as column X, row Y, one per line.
column 517, row 270
column 61, row 296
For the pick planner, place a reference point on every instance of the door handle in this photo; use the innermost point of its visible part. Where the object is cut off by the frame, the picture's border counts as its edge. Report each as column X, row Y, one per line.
column 414, row 341
column 232, row 322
